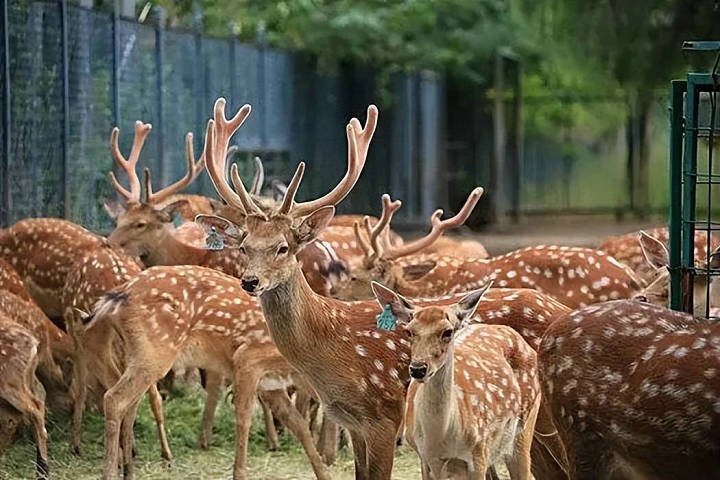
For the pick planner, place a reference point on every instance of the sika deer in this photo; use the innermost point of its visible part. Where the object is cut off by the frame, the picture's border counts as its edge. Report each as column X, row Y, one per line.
column 42, row 251
column 21, row 394
column 475, row 394
column 11, row 281
column 575, row 276
column 634, row 390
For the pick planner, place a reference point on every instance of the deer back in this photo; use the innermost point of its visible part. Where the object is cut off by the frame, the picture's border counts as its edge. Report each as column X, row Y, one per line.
column 11, row 281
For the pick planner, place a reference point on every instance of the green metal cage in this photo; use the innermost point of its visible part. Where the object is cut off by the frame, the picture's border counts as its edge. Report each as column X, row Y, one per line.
column 694, row 171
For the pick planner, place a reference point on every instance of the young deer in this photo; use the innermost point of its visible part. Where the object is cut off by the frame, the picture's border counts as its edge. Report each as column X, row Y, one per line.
column 575, row 276
column 42, row 251
column 626, row 249
column 634, row 390
column 11, row 281
column 475, row 394
column 97, row 359
column 22, row 396
column 359, row 373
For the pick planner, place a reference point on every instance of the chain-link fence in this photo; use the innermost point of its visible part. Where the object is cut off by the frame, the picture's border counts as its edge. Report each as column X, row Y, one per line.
column 73, row 73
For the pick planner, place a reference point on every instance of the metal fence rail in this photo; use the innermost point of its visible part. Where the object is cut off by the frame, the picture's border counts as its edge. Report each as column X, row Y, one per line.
column 69, row 74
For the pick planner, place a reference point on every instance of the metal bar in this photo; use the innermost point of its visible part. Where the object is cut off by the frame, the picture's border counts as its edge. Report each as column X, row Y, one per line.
column 159, row 61
column 6, row 200
column 707, row 46
column 65, row 170
column 116, row 64
column 677, row 89
column 688, row 203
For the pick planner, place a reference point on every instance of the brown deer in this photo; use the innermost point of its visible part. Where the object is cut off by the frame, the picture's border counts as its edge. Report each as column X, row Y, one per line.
column 575, row 276
column 11, row 281
column 22, row 396
column 626, row 249
column 192, row 316
column 634, row 391
column 97, row 358
column 475, row 394
column 359, row 373
column 42, row 251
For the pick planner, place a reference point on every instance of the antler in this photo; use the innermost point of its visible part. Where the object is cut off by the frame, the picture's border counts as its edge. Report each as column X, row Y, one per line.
column 438, row 228
column 217, row 136
column 129, row 165
column 259, row 178
column 358, row 143
column 193, row 170
column 373, row 250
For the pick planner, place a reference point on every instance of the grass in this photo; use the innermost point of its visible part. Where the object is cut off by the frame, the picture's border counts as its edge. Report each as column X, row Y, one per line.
column 182, row 412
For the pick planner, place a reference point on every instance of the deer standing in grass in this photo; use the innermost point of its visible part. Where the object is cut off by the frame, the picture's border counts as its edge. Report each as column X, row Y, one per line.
column 22, row 396
column 634, row 390
column 575, row 276
column 475, row 396
column 359, row 373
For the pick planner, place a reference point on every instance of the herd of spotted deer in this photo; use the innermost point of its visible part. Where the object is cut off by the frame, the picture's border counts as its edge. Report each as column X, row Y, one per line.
column 570, row 366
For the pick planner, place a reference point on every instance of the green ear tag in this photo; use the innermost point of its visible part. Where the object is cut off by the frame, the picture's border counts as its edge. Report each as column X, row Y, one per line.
column 386, row 320
column 213, row 241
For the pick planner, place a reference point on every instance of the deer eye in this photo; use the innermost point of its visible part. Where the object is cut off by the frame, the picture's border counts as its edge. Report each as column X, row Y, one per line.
column 283, row 250
column 447, row 334
column 140, row 225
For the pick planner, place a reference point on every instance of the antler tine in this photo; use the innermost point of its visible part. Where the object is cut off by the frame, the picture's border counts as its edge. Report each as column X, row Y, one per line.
column 292, row 188
column 219, row 131
column 438, row 227
column 388, row 210
column 142, row 130
column 362, row 243
column 259, row 177
column 193, row 170
column 358, row 145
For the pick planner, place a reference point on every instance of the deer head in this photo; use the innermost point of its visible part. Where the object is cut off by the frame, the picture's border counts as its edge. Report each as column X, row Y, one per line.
column 657, row 290
column 270, row 239
column 380, row 255
column 145, row 224
column 431, row 329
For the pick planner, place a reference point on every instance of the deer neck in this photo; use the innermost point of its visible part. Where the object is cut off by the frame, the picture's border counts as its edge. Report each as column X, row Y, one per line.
column 298, row 318
column 437, row 403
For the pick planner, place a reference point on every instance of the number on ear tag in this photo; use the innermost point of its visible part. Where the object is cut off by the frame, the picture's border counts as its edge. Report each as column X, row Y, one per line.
column 386, row 320
column 213, row 241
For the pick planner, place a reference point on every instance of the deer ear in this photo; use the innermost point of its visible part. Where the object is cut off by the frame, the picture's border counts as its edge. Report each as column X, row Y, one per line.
column 417, row 270
column 181, row 207
column 215, row 204
column 654, row 250
column 114, row 209
column 401, row 308
column 220, row 233
column 313, row 224
column 465, row 309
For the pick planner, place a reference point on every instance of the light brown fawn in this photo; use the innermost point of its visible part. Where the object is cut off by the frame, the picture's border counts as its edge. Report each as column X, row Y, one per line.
column 575, row 276
column 626, row 249
column 22, row 396
column 42, row 251
column 11, row 281
column 474, row 397
column 634, row 390
column 359, row 373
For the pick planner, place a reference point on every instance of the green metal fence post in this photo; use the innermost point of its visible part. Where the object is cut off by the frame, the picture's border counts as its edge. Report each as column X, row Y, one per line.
column 65, row 170
column 689, row 188
column 6, row 198
column 677, row 90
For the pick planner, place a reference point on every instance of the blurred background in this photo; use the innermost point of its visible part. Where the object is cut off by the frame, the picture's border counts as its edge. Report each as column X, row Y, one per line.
column 555, row 106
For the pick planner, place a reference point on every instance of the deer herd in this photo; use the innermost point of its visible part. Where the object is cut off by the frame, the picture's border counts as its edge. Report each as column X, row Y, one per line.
column 547, row 362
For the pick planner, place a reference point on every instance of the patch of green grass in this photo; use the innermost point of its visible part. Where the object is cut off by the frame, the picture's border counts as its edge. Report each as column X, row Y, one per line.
column 183, row 412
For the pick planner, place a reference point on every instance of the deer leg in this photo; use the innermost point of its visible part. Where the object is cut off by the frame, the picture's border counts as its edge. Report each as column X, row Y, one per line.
column 360, row 453
column 291, row 418
column 79, row 394
column 213, row 383
column 328, row 440
column 303, row 401
column 270, row 431
column 381, row 449
column 156, row 405
column 116, row 402
column 244, row 386
column 128, row 437
column 520, row 464
column 481, row 457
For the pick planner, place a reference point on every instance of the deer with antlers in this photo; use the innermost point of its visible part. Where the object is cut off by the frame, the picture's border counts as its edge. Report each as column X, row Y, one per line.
column 42, row 251
column 359, row 373
column 626, row 249
column 576, row 276
column 22, row 396
column 634, row 391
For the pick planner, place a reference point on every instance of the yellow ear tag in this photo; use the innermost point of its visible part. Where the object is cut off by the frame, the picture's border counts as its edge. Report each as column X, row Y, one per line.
column 386, row 320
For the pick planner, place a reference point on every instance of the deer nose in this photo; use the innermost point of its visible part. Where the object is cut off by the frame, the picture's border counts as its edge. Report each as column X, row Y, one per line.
column 249, row 284
column 418, row 370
